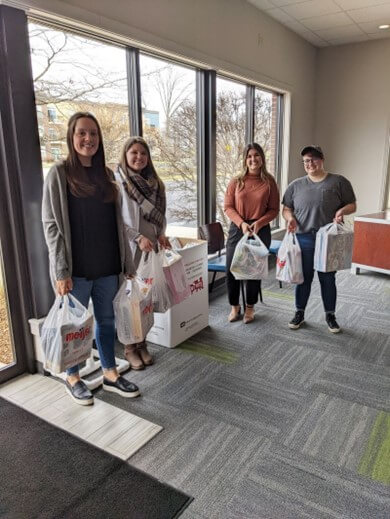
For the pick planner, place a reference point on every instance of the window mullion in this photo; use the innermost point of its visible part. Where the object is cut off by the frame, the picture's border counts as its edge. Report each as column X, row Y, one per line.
column 134, row 90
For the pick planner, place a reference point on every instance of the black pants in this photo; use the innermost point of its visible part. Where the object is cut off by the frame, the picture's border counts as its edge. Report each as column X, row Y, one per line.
column 233, row 285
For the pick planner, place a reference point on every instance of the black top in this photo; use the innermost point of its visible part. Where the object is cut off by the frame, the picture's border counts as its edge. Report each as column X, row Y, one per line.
column 94, row 234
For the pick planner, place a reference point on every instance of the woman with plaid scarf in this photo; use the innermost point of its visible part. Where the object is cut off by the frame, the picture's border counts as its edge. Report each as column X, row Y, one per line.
column 143, row 211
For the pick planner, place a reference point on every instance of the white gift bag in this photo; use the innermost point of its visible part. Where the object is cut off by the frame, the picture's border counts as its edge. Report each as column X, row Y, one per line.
column 289, row 260
column 133, row 310
column 250, row 259
column 66, row 335
column 175, row 275
column 333, row 248
column 151, row 271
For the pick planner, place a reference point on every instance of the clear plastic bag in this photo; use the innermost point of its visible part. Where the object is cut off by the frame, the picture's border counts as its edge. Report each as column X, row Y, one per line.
column 151, row 271
column 133, row 310
column 289, row 260
column 66, row 335
column 250, row 259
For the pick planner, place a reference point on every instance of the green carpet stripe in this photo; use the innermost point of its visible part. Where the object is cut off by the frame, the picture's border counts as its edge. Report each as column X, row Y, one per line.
column 375, row 462
column 278, row 295
column 212, row 352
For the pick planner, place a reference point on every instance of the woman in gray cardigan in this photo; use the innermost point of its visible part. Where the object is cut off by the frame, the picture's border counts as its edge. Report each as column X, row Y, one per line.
column 143, row 213
column 87, row 249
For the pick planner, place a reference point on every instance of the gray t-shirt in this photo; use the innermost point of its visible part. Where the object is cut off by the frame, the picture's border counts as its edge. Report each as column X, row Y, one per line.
column 315, row 203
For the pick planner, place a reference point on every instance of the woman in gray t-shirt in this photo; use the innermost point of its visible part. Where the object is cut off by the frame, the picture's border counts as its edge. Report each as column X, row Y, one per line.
column 309, row 203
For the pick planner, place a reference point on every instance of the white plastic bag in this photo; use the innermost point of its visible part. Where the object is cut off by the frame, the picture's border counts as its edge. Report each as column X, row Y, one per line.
column 66, row 335
column 250, row 259
column 133, row 310
column 175, row 275
column 289, row 260
column 333, row 248
column 151, row 271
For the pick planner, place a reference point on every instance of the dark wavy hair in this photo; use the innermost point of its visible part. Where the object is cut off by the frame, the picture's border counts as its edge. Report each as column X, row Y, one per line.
column 76, row 176
column 264, row 174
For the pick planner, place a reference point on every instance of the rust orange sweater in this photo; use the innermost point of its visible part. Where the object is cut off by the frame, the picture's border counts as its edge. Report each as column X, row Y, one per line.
column 258, row 200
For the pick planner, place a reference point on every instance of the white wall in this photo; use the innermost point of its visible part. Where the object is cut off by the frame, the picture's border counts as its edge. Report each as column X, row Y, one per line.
column 226, row 34
column 352, row 116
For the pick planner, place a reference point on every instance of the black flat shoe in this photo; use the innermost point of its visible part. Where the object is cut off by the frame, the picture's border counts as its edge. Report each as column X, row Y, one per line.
column 79, row 393
column 121, row 386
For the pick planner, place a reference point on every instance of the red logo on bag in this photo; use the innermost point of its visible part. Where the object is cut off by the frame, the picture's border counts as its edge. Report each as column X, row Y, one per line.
column 148, row 281
column 280, row 263
column 81, row 334
column 196, row 285
column 148, row 309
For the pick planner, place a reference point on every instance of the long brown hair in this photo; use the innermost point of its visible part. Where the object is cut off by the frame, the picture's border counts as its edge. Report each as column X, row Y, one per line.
column 264, row 175
column 149, row 168
column 76, row 176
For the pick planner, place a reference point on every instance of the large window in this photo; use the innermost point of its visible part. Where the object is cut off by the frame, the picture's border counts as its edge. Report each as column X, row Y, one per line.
column 169, row 127
column 73, row 73
column 231, row 124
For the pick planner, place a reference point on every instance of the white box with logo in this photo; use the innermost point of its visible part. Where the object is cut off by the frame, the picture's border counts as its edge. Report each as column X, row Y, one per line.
column 192, row 315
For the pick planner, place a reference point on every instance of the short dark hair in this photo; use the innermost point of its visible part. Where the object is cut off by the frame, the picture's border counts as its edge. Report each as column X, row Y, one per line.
column 314, row 150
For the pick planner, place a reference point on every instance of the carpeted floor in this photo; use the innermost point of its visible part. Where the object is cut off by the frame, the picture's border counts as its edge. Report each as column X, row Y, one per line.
column 265, row 422
column 48, row 474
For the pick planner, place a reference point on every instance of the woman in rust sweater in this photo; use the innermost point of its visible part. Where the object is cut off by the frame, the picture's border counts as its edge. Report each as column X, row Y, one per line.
column 251, row 203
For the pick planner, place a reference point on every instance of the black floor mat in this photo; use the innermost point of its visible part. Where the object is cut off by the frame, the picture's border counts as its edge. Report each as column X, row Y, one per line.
column 46, row 472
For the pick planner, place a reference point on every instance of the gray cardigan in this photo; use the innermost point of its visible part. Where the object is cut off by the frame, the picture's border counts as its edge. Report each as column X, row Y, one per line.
column 56, row 227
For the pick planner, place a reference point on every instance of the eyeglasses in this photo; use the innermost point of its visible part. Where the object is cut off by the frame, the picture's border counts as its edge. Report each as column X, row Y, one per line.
column 309, row 161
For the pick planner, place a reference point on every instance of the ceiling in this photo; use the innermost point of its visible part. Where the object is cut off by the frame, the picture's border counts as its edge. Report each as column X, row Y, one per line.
column 331, row 22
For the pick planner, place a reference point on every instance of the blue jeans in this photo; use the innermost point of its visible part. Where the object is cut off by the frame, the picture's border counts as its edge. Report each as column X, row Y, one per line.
column 327, row 279
column 102, row 291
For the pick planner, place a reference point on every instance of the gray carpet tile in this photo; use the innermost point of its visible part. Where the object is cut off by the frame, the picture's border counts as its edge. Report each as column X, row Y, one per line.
column 251, row 402
column 357, row 382
column 261, row 421
column 204, row 454
column 290, row 364
column 333, row 430
column 288, row 485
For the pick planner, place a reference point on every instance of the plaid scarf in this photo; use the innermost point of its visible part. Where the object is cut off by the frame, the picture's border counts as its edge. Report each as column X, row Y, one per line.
column 148, row 195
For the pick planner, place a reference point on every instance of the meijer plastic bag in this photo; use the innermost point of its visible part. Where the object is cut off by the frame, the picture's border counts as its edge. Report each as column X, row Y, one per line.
column 175, row 276
column 133, row 310
column 151, row 271
column 289, row 260
column 333, row 248
column 250, row 259
column 66, row 335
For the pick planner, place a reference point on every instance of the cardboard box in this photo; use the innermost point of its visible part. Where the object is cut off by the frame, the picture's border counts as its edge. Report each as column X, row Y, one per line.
column 192, row 315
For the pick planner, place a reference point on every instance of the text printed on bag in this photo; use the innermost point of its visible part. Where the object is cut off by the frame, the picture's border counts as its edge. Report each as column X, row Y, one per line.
column 81, row 334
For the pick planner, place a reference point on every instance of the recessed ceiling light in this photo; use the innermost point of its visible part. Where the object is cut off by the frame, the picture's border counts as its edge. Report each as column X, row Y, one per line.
column 385, row 26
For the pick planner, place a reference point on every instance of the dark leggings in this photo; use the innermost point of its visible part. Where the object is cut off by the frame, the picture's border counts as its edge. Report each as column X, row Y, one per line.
column 233, row 285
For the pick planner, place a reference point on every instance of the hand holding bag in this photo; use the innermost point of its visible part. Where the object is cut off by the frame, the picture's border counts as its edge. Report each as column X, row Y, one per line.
column 133, row 310
column 289, row 260
column 66, row 335
column 250, row 259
